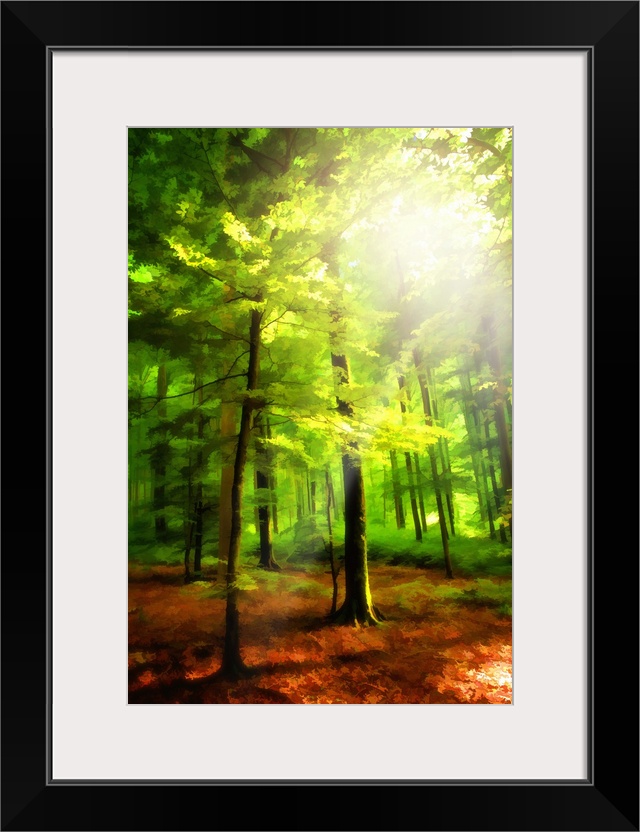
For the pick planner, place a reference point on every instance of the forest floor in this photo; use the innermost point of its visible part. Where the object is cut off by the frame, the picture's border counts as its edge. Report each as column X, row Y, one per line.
column 442, row 642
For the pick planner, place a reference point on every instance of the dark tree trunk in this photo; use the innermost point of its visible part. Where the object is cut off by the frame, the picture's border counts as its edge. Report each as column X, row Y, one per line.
column 357, row 608
column 308, row 484
column 313, row 496
column 267, row 561
column 273, row 484
column 190, row 528
column 233, row 666
column 160, row 459
column 397, row 492
column 483, row 467
column 332, row 560
column 476, row 455
column 494, row 482
column 187, row 552
column 472, row 421
column 504, row 442
column 443, row 450
column 412, row 498
column 227, row 437
column 412, row 489
column 423, row 515
column 384, row 496
column 299, row 498
column 426, row 403
column 197, row 555
column 449, row 490
column 334, row 502
column 256, row 513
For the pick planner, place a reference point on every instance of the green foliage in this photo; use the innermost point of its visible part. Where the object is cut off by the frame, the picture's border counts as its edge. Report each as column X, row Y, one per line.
column 390, row 247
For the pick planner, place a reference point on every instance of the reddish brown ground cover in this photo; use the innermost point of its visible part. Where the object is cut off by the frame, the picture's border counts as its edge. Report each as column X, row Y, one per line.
column 443, row 641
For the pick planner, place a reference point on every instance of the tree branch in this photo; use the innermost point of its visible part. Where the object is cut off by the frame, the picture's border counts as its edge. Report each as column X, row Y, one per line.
column 191, row 392
column 219, row 186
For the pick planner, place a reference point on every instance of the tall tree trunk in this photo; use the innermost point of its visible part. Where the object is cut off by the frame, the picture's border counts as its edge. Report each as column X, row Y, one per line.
column 504, row 442
column 308, row 486
column 334, row 503
column 446, row 465
column 494, row 482
column 273, row 483
column 256, row 515
column 475, row 444
column 397, row 493
column 227, row 440
column 199, row 510
column 423, row 515
column 407, row 458
column 487, row 497
column 160, row 461
column 188, row 543
column 357, row 608
column 267, row 561
column 384, row 496
column 299, row 497
column 443, row 452
column 332, row 560
column 426, row 404
column 233, row 666
column 313, row 496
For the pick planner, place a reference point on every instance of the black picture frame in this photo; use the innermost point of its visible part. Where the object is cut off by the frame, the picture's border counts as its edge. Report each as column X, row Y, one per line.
column 608, row 798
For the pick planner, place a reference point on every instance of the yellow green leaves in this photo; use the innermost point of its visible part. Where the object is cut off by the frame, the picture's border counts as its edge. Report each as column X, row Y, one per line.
column 237, row 230
column 144, row 273
column 188, row 250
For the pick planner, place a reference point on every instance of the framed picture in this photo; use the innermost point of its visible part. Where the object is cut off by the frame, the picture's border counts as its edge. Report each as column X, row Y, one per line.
column 562, row 79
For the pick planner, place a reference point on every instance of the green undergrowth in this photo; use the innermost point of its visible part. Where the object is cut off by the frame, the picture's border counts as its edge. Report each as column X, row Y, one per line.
column 306, row 544
column 482, row 592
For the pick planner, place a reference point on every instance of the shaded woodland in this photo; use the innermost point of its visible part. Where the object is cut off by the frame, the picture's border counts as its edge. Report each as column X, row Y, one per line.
column 320, row 408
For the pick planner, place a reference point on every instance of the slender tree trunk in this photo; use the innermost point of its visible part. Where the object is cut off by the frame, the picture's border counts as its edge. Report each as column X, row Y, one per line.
column 190, row 527
column 233, row 666
column 199, row 511
column 273, row 483
column 256, row 515
column 483, row 468
column 412, row 498
column 335, row 504
column 397, row 493
column 412, row 489
column 357, row 608
column 313, row 496
column 308, row 487
column 161, row 451
column 423, row 516
column 227, row 439
column 187, row 551
column 475, row 443
column 299, row 498
column 384, row 496
column 267, row 561
column 443, row 452
column 426, row 403
column 446, row 462
column 504, row 442
column 494, row 483
column 332, row 560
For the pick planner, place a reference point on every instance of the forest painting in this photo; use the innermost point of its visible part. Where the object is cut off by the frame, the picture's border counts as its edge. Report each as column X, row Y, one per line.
column 320, row 410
